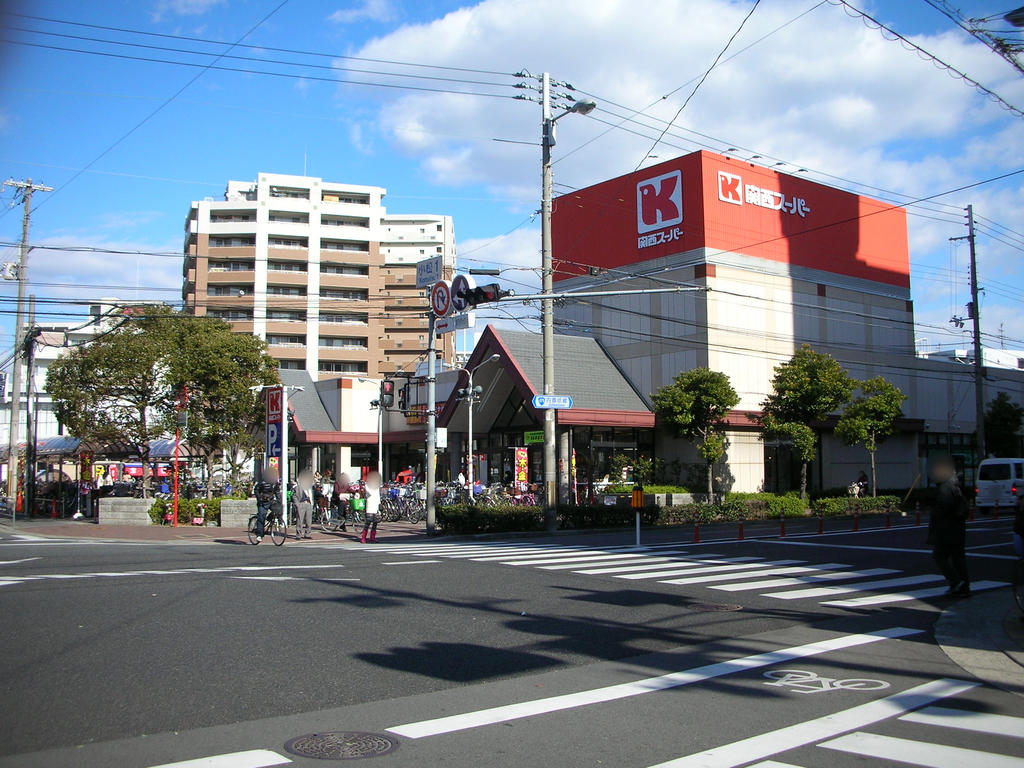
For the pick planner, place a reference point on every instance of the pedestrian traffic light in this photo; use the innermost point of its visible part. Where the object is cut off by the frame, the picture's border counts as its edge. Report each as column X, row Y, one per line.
column 403, row 397
column 484, row 294
column 387, row 393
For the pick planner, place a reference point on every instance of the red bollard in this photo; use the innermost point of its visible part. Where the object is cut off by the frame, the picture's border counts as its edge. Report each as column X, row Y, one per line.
column 888, row 517
column 970, row 516
column 856, row 517
column 917, row 513
column 53, row 509
column 995, row 510
column 782, row 526
column 696, row 532
column 821, row 524
column 740, row 537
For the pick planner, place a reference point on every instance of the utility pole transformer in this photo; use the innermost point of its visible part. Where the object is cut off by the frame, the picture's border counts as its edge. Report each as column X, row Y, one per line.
column 26, row 188
column 979, row 363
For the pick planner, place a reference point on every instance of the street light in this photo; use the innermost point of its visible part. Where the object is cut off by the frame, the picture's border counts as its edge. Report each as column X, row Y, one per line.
column 470, row 395
column 547, row 304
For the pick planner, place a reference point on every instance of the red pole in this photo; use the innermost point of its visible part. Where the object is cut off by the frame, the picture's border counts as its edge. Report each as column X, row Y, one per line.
column 740, row 537
column 974, row 504
column 888, row 517
column 821, row 523
column 856, row 517
column 782, row 526
column 917, row 513
column 175, row 523
column 696, row 531
column 995, row 510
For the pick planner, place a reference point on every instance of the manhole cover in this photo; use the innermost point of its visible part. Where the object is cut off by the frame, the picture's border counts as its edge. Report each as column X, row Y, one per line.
column 697, row 607
column 340, row 745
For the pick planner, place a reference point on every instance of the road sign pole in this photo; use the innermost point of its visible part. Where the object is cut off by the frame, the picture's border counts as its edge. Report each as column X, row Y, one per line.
column 431, row 460
column 284, row 454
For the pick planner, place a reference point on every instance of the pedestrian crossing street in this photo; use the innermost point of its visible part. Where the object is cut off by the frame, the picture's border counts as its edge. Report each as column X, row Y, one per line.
column 832, row 583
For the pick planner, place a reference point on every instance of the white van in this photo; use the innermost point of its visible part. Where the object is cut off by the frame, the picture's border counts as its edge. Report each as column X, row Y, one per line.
column 999, row 481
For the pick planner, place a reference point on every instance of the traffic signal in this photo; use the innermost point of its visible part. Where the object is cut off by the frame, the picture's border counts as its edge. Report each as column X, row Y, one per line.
column 403, row 397
column 387, row 393
column 484, row 294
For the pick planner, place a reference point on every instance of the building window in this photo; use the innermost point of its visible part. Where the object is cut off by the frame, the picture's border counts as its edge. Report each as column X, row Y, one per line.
column 286, row 242
column 438, row 227
column 352, row 270
column 285, row 290
column 342, row 366
column 344, row 245
column 286, row 266
column 290, row 365
column 279, row 340
column 344, row 294
column 233, row 241
column 286, row 316
column 344, row 221
column 345, row 318
column 289, row 217
column 217, row 217
column 228, row 290
column 343, row 342
column 232, row 266
column 231, row 314
column 345, row 197
column 290, row 192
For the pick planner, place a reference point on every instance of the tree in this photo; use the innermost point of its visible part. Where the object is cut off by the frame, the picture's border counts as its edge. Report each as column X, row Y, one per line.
column 806, row 388
column 694, row 405
column 1003, row 421
column 123, row 386
column 871, row 417
column 115, row 389
column 219, row 368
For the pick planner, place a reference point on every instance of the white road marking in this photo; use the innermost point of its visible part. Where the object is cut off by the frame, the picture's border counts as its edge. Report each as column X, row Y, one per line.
column 175, row 572
column 708, row 569
column 861, row 586
column 509, row 712
column 520, row 558
column 265, row 578
column 891, row 749
column 253, row 758
column 980, row 722
column 619, row 559
column 872, row 549
column 902, row 597
column 754, row 573
column 784, row 739
column 798, row 580
column 674, row 560
column 413, row 562
column 585, row 559
column 22, row 560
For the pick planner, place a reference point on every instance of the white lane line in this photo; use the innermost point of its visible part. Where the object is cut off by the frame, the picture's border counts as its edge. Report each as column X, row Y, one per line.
column 798, row 580
column 871, row 549
column 860, row 586
column 619, row 559
column 519, row 558
column 265, row 578
column 966, row 720
column 176, row 572
column 902, row 597
column 708, row 569
column 22, row 560
column 773, row 764
column 649, row 685
column 673, row 560
column 784, row 739
column 755, row 573
column 586, row 559
column 253, row 758
column 891, row 749
column 414, row 562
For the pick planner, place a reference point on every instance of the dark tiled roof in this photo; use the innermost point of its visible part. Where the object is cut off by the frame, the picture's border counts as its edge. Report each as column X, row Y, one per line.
column 583, row 370
column 306, row 405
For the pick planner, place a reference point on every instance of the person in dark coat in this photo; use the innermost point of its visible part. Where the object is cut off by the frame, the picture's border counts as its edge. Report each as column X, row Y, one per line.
column 947, row 529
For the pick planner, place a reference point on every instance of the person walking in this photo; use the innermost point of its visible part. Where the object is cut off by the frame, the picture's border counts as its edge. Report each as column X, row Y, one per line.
column 947, row 529
column 303, row 505
column 371, row 492
column 340, row 497
column 268, row 499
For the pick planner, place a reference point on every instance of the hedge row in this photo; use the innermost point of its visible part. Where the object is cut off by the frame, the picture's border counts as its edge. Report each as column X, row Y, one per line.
column 461, row 519
column 186, row 510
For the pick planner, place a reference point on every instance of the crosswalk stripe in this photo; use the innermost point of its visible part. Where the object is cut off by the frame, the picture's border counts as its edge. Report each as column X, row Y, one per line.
column 811, row 579
column 527, row 559
column 616, row 559
column 253, row 758
column 653, row 566
column 755, row 573
column 967, row 720
column 861, row 586
column 502, row 714
column 890, row 749
column 902, row 597
column 784, row 739
column 708, row 569
column 586, row 559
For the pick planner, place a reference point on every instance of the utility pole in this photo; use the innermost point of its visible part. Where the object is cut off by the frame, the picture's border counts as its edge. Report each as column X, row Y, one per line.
column 430, row 458
column 27, row 188
column 547, row 307
column 979, row 363
column 29, row 497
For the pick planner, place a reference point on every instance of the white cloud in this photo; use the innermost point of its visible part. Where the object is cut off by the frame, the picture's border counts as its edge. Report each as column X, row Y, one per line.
column 370, row 10
column 183, row 8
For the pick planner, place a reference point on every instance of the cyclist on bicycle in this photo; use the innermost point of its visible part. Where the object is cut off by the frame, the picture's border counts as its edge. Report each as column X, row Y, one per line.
column 268, row 499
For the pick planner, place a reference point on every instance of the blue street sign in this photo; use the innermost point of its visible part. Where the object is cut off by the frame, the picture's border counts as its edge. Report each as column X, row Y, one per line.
column 552, row 401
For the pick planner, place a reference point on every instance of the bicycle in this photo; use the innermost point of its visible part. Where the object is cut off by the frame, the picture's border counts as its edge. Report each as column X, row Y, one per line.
column 273, row 525
column 334, row 518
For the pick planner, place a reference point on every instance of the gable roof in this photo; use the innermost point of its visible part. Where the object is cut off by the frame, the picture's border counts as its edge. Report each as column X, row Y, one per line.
column 306, row 406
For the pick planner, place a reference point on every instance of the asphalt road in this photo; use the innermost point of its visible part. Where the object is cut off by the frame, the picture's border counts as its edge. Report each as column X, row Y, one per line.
column 576, row 651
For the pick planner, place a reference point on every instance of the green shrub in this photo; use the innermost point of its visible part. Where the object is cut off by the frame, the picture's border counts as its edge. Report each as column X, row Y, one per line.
column 844, row 505
column 767, row 505
column 602, row 516
column 186, row 510
column 460, row 519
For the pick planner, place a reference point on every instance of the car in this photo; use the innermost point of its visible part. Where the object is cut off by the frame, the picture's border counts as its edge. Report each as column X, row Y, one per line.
column 999, row 482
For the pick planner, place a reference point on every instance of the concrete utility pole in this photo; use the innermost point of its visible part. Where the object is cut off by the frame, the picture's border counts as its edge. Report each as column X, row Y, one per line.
column 979, row 363
column 431, row 457
column 27, row 188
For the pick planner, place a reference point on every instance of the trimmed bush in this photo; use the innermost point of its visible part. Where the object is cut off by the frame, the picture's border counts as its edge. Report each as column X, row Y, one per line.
column 186, row 510
column 844, row 505
column 759, row 506
column 461, row 519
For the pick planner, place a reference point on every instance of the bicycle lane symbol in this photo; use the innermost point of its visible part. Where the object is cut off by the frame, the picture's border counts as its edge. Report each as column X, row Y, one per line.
column 804, row 681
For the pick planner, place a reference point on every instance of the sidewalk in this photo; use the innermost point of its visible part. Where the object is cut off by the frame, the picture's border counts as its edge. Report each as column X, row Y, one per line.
column 89, row 529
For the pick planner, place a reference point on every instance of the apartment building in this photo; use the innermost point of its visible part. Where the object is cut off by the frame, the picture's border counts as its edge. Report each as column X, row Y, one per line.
column 319, row 270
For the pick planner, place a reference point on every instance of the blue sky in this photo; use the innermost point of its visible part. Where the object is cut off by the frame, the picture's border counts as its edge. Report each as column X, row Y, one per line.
column 816, row 88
